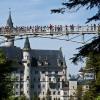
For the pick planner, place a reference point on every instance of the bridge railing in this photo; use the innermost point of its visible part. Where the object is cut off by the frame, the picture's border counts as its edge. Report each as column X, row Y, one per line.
column 51, row 29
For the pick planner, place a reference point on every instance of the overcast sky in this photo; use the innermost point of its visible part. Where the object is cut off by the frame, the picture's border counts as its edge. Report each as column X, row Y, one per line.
column 37, row 12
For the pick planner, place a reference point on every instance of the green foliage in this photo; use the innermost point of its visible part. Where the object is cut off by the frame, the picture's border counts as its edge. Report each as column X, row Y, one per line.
column 77, row 4
column 84, row 51
column 89, row 96
column 90, row 4
column 6, row 83
column 23, row 97
column 93, row 66
column 79, row 92
column 17, row 98
column 98, row 79
column 98, row 98
column 93, row 61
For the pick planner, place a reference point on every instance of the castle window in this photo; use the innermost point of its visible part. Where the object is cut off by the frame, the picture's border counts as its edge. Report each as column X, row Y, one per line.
column 43, row 79
column 54, row 92
column 49, row 79
column 43, row 72
column 58, row 92
column 63, row 72
column 17, row 78
column 58, row 79
column 21, row 93
column 27, row 85
column 65, row 93
column 27, row 77
column 39, row 86
column 21, row 86
column 21, row 79
column 28, row 64
column 43, row 93
column 21, row 71
column 61, row 63
column 56, row 72
column 17, row 86
column 16, row 93
column 34, row 79
column 87, row 87
column 43, row 86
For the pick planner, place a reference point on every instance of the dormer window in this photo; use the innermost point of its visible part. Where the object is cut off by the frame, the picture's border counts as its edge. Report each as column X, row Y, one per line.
column 59, row 62
column 42, row 61
column 45, row 62
column 39, row 63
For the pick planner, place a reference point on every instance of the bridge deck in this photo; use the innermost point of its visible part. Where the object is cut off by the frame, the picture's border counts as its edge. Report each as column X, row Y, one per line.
column 49, row 30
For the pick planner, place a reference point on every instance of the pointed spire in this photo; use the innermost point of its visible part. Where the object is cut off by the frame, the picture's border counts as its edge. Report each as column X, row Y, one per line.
column 9, row 21
column 27, row 45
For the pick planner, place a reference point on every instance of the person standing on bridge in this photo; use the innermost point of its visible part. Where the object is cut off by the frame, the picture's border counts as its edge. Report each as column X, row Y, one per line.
column 94, row 27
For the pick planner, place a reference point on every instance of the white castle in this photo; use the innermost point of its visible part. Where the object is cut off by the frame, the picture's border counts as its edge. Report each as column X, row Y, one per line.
column 38, row 72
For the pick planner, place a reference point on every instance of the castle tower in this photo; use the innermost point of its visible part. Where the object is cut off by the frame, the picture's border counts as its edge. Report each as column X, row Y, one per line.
column 9, row 39
column 27, row 69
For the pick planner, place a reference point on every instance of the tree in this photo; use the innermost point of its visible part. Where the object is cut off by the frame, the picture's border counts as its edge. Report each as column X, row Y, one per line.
column 22, row 97
column 77, row 4
column 85, row 50
column 79, row 92
column 88, row 96
column 6, row 83
column 93, row 65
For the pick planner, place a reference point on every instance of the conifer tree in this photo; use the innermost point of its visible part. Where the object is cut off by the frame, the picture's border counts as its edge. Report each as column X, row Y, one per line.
column 6, row 83
column 77, row 4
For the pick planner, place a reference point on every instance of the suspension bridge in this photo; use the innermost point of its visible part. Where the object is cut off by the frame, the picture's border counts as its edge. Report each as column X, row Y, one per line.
column 59, row 32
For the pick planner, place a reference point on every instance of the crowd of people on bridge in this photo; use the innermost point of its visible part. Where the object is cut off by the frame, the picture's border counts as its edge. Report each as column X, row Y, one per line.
column 49, row 28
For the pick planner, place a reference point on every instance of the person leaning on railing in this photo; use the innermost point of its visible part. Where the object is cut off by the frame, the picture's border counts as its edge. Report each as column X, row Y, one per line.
column 98, row 28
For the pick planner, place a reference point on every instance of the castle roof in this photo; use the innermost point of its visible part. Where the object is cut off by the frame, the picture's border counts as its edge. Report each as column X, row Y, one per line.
column 27, row 44
column 50, row 56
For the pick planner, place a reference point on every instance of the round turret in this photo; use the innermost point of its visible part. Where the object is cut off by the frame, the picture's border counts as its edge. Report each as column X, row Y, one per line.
column 27, row 69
